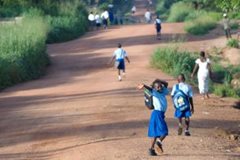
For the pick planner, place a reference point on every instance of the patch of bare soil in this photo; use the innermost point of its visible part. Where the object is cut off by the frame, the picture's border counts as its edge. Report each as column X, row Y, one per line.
column 232, row 55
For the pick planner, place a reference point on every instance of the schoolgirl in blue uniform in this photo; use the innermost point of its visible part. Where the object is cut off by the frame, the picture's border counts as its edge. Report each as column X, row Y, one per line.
column 157, row 129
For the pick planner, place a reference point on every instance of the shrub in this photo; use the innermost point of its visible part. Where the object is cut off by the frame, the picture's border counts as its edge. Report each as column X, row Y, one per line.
column 65, row 28
column 179, row 11
column 22, row 51
column 173, row 61
column 226, row 91
column 201, row 25
column 234, row 25
column 233, row 43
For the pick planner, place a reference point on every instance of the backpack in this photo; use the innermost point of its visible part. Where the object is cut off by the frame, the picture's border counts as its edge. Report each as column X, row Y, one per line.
column 148, row 98
column 180, row 100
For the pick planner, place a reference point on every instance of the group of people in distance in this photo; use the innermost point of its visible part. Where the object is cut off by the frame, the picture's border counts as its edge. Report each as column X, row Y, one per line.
column 98, row 20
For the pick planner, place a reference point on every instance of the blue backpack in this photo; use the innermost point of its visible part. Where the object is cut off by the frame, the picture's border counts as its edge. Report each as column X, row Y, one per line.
column 180, row 100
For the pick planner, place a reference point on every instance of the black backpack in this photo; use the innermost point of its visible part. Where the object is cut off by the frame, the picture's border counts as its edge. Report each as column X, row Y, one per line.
column 148, row 98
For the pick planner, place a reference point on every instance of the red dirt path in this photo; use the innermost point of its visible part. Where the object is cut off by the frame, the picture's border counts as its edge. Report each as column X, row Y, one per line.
column 79, row 111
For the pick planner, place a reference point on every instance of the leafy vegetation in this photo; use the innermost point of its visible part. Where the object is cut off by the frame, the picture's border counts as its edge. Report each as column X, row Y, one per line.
column 233, row 43
column 22, row 51
column 179, row 11
column 201, row 24
column 173, row 61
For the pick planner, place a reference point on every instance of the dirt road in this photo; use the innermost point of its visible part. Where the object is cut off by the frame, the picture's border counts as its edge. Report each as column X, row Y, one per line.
column 80, row 111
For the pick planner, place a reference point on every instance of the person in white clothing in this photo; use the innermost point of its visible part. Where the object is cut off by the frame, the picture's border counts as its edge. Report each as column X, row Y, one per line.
column 119, row 55
column 158, row 27
column 148, row 16
column 97, row 20
column 134, row 9
column 203, row 65
column 105, row 16
column 91, row 19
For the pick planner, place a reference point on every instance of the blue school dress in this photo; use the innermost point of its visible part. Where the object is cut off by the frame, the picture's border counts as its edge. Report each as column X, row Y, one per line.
column 157, row 124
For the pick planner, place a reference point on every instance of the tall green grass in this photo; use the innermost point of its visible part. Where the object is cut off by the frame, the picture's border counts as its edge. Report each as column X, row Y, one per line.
column 179, row 11
column 201, row 25
column 173, row 61
column 22, row 51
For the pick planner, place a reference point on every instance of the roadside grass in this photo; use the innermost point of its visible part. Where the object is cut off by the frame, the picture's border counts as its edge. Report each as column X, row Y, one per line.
column 22, row 51
column 174, row 61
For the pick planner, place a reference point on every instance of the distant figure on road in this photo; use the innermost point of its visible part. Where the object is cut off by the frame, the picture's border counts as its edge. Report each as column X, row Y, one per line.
column 105, row 17
column 98, row 21
column 157, row 128
column 158, row 27
column 134, row 9
column 226, row 26
column 148, row 16
column 119, row 56
column 183, row 103
column 203, row 64
column 91, row 20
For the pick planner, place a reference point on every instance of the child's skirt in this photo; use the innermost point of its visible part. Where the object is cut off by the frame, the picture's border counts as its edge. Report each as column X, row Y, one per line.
column 157, row 124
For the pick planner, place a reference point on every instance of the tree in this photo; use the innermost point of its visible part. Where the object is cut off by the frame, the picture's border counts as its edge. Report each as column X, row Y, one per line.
column 228, row 5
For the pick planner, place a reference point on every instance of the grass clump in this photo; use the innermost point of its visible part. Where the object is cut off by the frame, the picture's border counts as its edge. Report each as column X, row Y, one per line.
column 179, row 11
column 201, row 25
column 233, row 43
column 22, row 51
column 173, row 61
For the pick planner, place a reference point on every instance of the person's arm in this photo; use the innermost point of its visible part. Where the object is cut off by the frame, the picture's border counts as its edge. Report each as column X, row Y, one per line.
column 191, row 104
column 210, row 71
column 194, row 70
column 165, row 83
column 127, row 59
column 141, row 86
column 112, row 59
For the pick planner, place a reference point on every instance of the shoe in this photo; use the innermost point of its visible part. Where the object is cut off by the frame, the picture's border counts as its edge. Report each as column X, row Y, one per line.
column 152, row 152
column 124, row 74
column 159, row 147
column 119, row 78
column 187, row 133
column 180, row 131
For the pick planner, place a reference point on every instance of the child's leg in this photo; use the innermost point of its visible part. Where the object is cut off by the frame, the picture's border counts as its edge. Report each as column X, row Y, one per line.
column 119, row 75
column 162, row 138
column 180, row 127
column 187, row 122
column 153, row 142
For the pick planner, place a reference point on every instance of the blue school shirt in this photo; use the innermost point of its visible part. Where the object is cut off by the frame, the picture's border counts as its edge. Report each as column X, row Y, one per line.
column 159, row 99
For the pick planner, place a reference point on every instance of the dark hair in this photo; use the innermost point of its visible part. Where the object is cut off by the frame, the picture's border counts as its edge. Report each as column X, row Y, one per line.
column 182, row 76
column 119, row 45
column 202, row 54
column 157, row 81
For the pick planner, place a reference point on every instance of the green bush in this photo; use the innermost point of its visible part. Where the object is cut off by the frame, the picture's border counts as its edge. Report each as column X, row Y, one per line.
column 234, row 25
column 173, row 61
column 233, row 43
column 179, row 11
column 201, row 25
column 226, row 91
column 22, row 51
column 65, row 28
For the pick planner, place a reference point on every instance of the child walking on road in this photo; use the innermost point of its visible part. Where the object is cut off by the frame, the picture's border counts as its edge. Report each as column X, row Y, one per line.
column 158, row 27
column 157, row 129
column 119, row 55
column 182, row 99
